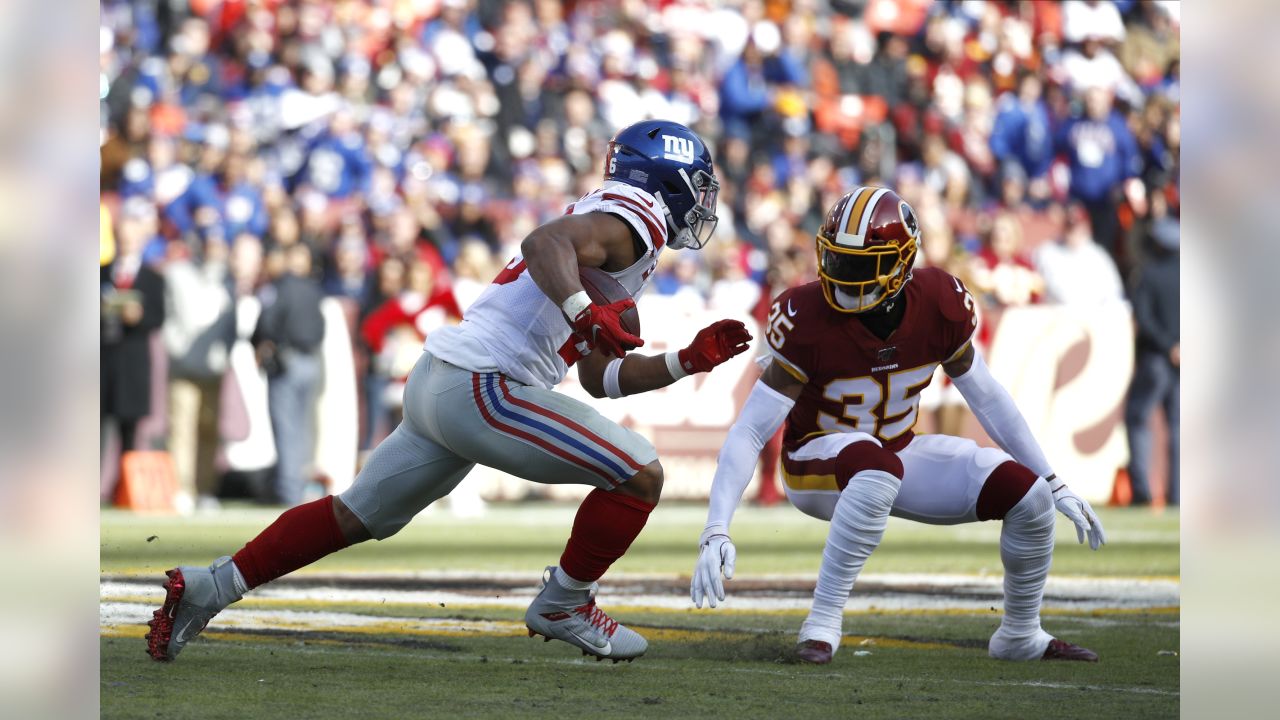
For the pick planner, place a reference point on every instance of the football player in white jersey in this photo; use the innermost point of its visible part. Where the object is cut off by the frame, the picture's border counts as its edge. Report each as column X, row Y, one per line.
column 482, row 393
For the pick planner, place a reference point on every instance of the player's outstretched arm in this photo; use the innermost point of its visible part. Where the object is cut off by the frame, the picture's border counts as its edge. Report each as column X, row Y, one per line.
column 605, row 376
column 999, row 416
column 767, row 406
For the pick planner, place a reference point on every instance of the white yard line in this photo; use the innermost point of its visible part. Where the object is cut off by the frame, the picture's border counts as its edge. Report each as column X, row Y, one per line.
column 130, row 602
column 888, row 592
column 113, row 614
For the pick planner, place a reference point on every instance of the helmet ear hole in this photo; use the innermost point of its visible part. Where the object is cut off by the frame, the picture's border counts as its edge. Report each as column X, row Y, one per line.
column 654, row 133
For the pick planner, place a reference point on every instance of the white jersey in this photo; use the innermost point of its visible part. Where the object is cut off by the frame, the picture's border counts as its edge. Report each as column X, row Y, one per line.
column 515, row 329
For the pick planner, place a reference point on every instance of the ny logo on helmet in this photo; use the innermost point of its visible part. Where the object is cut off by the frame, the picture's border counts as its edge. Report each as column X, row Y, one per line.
column 677, row 148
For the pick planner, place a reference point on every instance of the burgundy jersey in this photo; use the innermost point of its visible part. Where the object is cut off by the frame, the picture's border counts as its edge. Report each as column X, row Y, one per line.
column 853, row 379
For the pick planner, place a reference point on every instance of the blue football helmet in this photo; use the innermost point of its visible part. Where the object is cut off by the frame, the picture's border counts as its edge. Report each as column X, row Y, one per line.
column 671, row 162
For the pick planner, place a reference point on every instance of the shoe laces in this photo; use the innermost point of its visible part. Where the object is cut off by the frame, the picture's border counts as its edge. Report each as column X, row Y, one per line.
column 594, row 616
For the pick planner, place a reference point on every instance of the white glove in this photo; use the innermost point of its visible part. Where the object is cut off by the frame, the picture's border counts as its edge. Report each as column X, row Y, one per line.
column 716, row 551
column 1078, row 511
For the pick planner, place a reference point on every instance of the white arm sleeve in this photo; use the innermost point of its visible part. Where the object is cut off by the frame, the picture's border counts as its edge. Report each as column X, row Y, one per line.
column 760, row 418
column 1000, row 416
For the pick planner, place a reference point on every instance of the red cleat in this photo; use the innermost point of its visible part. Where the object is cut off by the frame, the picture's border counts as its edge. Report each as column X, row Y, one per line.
column 814, row 651
column 193, row 595
column 1062, row 650
column 161, row 623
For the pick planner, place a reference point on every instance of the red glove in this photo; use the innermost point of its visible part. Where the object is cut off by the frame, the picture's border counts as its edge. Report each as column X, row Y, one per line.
column 601, row 327
column 714, row 344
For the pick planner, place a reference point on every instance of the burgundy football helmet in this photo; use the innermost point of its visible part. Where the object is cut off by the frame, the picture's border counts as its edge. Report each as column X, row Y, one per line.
column 866, row 248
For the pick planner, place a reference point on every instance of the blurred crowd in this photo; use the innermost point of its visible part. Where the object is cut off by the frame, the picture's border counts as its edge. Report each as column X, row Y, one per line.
column 394, row 153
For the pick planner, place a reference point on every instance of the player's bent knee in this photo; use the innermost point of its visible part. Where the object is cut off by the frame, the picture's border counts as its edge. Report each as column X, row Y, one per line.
column 353, row 529
column 868, row 455
column 1004, row 488
column 372, row 526
column 645, row 485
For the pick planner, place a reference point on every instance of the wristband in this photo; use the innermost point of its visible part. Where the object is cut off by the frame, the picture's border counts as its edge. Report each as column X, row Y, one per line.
column 712, row 530
column 674, row 367
column 611, row 371
column 575, row 304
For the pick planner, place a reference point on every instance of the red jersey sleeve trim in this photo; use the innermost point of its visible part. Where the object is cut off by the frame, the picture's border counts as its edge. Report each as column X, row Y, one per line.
column 647, row 215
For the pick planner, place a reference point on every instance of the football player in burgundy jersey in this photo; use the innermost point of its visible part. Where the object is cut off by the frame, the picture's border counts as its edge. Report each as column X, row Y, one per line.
column 482, row 393
column 850, row 354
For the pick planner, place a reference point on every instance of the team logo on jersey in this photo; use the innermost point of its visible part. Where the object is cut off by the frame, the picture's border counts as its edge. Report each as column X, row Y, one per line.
column 885, row 354
column 678, row 149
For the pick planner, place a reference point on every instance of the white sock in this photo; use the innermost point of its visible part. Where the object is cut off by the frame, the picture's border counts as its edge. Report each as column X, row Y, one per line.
column 228, row 583
column 1026, row 548
column 241, row 585
column 568, row 583
column 856, row 528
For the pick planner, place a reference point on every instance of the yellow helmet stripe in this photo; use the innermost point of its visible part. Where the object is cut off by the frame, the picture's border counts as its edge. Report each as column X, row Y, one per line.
column 857, row 216
column 852, row 214
column 865, row 219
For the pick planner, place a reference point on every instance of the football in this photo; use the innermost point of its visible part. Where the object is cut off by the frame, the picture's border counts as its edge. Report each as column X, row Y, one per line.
column 603, row 289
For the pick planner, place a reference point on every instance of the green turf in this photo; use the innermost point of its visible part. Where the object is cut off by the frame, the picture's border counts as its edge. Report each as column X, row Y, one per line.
column 742, row 670
column 744, row 676
column 524, row 538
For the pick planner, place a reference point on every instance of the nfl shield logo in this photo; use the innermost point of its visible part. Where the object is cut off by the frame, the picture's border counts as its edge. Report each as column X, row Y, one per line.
column 885, row 354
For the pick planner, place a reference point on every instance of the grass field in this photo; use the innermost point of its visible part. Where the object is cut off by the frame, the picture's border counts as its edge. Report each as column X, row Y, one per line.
column 428, row 624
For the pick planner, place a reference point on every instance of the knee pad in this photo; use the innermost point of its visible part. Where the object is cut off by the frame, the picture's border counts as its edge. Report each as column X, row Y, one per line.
column 1004, row 488
column 874, row 491
column 866, row 455
column 1035, row 509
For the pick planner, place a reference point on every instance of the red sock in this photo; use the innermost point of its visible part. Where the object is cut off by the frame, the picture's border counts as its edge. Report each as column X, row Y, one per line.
column 299, row 537
column 604, row 528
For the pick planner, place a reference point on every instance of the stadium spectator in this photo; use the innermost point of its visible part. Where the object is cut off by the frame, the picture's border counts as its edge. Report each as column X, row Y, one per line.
column 346, row 275
column 1157, row 361
column 132, row 304
column 198, row 333
column 1093, row 67
column 474, row 270
column 1083, row 19
column 1076, row 270
column 1022, row 134
column 439, row 125
column 1102, row 156
column 1001, row 273
column 287, row 340
column 396, row 330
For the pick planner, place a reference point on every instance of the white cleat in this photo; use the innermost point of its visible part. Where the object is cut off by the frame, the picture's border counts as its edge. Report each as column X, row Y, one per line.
column 193, row 595
column 573, row 616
